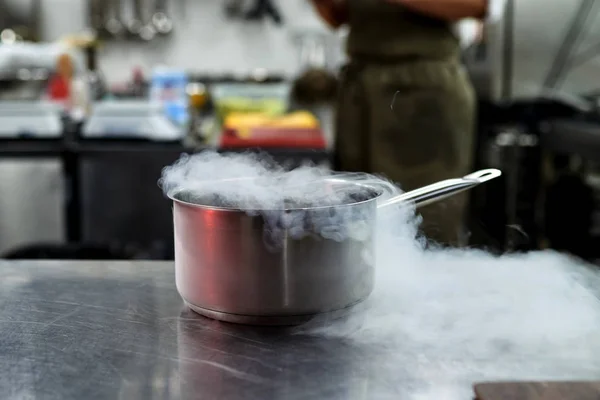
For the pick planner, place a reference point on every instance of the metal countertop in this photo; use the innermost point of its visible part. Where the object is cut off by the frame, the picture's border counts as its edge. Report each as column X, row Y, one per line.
column 118, row 330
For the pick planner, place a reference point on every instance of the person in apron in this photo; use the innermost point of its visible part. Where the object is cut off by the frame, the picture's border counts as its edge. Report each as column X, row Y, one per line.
column 406, row 108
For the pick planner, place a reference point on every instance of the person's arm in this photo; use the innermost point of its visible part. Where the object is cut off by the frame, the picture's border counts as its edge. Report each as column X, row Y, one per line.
column 333, row 12
column 449, row 10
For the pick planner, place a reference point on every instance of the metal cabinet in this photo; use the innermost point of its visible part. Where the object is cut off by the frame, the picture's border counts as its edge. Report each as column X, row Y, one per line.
column 31, row 202
column 120, row 199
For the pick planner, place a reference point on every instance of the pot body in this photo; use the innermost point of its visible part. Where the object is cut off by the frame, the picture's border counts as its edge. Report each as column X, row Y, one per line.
column 228, row 268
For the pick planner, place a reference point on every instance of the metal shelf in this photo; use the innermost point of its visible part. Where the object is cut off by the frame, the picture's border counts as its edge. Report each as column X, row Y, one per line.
column 55, row 147
column 31, row 147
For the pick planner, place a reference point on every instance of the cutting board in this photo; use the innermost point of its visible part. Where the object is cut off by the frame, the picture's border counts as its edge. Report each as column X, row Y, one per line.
column 537, row 391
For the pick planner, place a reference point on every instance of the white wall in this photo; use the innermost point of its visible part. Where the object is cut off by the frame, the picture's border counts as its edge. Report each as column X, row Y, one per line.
column 540, row 28
column 203, row 39
column 206, row 42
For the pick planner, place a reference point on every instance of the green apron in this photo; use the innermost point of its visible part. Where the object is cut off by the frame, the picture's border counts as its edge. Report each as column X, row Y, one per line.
column 406, row 107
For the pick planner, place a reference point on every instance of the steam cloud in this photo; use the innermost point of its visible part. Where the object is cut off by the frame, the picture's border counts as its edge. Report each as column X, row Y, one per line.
column 304, row 201
column 447, row 318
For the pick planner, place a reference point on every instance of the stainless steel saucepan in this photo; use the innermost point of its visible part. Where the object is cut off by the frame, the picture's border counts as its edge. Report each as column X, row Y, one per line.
column 242, row 267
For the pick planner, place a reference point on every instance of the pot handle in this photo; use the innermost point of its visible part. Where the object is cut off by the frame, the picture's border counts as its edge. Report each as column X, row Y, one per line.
column 484, row 175
column 443, row 189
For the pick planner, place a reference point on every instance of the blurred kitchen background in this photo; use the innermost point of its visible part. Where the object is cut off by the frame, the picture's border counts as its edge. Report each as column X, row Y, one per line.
column 152, row 79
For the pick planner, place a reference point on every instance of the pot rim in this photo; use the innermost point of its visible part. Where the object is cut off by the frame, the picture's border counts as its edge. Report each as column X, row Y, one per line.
column 378, row 193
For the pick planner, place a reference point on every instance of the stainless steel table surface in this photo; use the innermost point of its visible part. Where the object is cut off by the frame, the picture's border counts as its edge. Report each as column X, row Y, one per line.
column 118, row 330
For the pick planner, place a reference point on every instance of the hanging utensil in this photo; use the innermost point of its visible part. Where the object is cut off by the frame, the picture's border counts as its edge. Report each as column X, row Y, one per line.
column 136, row 23
column 140, row 26
column 161, row 19
column 113, row 24
column 97, row 14
column 262, row 9
column 234, row 8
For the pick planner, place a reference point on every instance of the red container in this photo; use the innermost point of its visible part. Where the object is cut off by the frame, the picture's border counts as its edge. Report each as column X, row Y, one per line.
column 274, row 137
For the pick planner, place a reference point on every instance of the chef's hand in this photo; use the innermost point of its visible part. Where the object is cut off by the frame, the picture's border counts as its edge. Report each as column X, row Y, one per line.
column 333, row 12
column 449, row 10
column 330, row 2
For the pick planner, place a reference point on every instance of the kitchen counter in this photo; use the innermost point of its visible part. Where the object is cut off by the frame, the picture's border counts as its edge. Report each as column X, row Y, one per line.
column 106, row 330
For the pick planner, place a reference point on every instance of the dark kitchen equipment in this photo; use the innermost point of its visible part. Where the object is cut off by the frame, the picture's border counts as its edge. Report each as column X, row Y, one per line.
column 243, row 267
column 571, row 148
